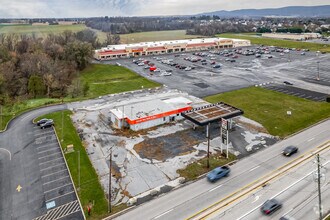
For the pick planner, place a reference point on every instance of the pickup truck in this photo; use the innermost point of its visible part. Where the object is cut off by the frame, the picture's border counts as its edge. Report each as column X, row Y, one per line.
column 218, row 173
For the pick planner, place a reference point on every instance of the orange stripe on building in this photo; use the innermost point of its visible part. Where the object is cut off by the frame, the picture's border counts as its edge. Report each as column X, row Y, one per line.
column 161, row 115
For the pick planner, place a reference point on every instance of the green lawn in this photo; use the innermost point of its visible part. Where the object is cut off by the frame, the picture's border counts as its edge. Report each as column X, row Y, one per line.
column 39, row 30
column 108, row 79
column 90, row 187
column 195, row 169
column 280, row 43
column 269, row 108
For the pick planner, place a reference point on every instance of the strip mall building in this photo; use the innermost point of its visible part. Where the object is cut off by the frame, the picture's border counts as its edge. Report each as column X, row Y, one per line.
column 164, row 47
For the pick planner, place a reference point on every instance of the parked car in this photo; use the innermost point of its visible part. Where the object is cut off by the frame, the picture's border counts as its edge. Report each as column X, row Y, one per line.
column 302, row 53
column 212, row 63
column 216, row 66
column 204, row 63
column 288, row 83
column 218, row 173
column 166, row 74
column 141, row 64
column 41, row 121
column 47, row 124
column 289, row 150
column 187, row 69
column 270, row 206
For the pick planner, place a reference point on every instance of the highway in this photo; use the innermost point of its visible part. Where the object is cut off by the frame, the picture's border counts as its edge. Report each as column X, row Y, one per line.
column 187, row 201
column 296, row 190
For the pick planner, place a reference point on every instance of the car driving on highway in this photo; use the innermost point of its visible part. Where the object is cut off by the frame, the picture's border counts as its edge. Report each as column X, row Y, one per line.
column 270, row 206
column 289, row 150
column 218, row 173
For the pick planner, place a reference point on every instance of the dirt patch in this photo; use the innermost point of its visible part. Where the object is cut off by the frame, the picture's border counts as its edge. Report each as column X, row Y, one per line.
column 253, row 127
column 169, row 146
column 126, row 132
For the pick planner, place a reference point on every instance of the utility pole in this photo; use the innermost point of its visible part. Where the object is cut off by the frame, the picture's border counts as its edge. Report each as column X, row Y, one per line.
column 110, row 162
column 62, row 133
column 318, row 70
column 319, row 184
column 208, row 145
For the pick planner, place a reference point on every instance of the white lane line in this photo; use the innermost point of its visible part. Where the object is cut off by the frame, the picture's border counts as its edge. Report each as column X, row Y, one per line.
column 48, row 161
column 57, row 188
column 248, row 213
column 215, row 188
column 50, row 155
column 7, row 151
column 287, row 212
column 59, row 196
column 158, row 216
column 253, row 168
column 46, row 145
column 54, row 173
column 55, row 180
column 310, row 139
column 54, row 148
column 61, row 164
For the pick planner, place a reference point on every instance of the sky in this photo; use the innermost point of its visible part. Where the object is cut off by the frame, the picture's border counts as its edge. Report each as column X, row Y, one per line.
column 98, row 8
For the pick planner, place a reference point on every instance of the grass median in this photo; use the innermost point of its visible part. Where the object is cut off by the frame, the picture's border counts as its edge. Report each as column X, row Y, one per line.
column 269, row 108
column 195, row 169
column 280, row 43
column 90, row 188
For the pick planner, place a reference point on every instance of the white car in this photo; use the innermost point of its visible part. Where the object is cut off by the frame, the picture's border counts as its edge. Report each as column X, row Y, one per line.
column 187, row 68
column 141, row 64
column 157, row 70
column 166, row 74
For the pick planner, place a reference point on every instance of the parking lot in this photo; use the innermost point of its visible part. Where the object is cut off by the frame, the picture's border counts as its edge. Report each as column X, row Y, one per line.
column 197, row 75
column 60, row 201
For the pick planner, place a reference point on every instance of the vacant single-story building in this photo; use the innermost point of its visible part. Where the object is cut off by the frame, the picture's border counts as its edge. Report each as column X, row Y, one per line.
column 147, row 114
column 165, row 47
column 292, row 36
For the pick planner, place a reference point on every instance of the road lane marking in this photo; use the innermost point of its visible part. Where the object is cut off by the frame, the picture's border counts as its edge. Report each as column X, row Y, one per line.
column 215, row 188
column 310, row 139
column 50, row 155
column 158, row 216
column 7, row 151
column 54, row 148
column 253, row 168
column 61, row 164
column 57, row 188
column 260, row 182
column 248, row 213
column 48, row 161
column 60, row 196
column 53, row 173
column 55, row 180
column 19, row 188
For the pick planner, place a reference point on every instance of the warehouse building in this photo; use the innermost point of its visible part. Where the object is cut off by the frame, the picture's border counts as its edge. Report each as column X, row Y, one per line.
column 165, row 47
column 292, row 36
column 143, row 115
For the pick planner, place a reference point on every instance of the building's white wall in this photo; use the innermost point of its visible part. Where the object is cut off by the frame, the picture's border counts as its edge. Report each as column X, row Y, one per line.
column 153, row 123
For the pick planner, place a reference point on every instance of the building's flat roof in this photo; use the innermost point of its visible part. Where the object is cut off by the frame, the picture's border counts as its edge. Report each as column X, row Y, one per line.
column 163, row 43
column 149, row 108
column 211, row 113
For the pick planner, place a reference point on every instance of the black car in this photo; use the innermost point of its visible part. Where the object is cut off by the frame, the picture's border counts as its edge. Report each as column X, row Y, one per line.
column 270, row 206
column 288, row 151
column 288, row 83
column 47, row 124
column 41, row 121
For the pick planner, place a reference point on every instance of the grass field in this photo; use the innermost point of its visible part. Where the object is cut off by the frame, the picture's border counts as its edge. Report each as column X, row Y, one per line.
column 156, row 36
column 39, row 30
column 269, row 108
column 90, row 187
column 107, row 79
column 280, row 43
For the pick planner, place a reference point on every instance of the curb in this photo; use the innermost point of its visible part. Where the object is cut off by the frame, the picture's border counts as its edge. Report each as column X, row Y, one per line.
column 304, row 129
column 66, row 164
column 29, row 110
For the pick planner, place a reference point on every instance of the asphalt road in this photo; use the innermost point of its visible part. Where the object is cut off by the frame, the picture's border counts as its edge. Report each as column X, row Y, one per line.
column 23, row 191
column 296, row 190
column 186, row 201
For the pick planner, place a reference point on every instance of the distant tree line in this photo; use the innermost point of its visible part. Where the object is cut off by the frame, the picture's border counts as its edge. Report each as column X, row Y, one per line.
column 210, row 29
column 33, row 67
column 126, row 25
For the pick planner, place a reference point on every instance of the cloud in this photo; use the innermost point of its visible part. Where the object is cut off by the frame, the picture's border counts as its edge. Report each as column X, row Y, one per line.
column 97, row 8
